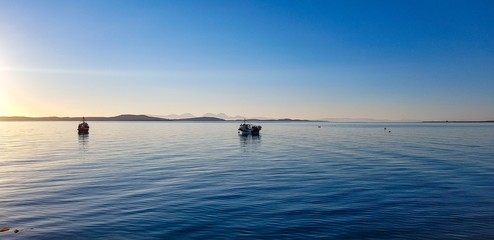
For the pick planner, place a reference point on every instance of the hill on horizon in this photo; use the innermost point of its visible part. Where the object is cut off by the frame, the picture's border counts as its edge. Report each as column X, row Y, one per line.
column 122, row 117
column 139, row 117
column 189, row 116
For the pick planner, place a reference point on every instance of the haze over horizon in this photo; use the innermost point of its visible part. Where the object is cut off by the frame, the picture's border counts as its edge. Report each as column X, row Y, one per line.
column 389, row 60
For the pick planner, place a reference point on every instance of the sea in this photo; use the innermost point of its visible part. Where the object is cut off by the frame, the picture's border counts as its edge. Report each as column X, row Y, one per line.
column 201, row 180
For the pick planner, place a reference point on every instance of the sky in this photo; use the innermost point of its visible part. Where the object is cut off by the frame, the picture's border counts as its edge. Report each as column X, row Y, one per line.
column 389, row 60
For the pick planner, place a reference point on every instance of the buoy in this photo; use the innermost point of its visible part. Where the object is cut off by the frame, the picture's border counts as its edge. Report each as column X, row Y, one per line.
column 389, row 131
column 384, row 128
column 16, row 231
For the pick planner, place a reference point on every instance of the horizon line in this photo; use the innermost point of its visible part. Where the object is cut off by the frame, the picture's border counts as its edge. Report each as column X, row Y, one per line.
column 335, row 119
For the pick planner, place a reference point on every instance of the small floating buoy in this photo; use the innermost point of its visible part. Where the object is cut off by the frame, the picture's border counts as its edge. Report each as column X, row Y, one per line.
column 389, row 131
column 384, row 128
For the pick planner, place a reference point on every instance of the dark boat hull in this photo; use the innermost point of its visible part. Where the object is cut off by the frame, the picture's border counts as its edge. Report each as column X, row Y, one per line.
column 249, row 129
column 83, row 130
column 247, row 133
column 83, row 127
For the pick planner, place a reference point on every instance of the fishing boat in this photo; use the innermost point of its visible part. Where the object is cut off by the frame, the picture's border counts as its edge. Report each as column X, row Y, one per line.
column 83, row 127
column 246, row 129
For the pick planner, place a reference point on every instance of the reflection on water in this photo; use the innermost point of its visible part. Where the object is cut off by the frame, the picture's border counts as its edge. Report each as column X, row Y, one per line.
column 174, row 180
column 249, row 142
column 83, row 141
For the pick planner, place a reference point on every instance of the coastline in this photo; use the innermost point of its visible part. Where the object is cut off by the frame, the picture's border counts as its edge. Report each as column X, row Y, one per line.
column 146, row 118
column 131, row 117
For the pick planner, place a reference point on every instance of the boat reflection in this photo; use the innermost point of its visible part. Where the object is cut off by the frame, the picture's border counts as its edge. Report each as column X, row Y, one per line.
column 249, row 142
column 83, row 141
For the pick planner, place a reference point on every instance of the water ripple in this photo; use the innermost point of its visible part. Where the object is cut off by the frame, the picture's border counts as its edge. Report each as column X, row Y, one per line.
column 201, row 180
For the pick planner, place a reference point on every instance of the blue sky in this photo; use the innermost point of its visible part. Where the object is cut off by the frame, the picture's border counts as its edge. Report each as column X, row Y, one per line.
column 420, row 60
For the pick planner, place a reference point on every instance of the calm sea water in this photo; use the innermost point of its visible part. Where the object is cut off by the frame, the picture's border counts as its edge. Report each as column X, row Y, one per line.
column 160, row 180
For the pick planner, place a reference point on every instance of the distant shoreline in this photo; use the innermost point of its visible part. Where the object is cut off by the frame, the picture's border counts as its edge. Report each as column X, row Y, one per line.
column 141, row 118
column 458, row 121
column 145, row 118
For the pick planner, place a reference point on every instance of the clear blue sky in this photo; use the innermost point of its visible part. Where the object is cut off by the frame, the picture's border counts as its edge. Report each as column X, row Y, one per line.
column 421, row 60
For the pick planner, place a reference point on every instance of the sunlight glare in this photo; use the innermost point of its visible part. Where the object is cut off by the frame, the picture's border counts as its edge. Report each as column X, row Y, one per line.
column 8, row 105
column 3, row 101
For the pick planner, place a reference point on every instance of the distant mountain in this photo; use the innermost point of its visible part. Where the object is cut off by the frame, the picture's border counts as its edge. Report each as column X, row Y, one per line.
column 201, row 119
column 209, row 115
column 133, row 117
column 177, row 116
column 129, row 117
column 219, row 115
column 124, row 117
column 259, row 118
column 190, row 116
column 280, row 120
column 222, row 116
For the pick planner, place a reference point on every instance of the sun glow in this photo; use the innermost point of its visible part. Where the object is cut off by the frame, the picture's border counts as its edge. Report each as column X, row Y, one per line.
column 4, row 106
column 9, row 105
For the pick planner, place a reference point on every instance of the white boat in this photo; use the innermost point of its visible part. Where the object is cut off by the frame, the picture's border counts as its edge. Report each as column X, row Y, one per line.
column 248, row 129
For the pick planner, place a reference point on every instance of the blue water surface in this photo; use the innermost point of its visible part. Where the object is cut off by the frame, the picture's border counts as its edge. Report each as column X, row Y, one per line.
column 200, row 180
